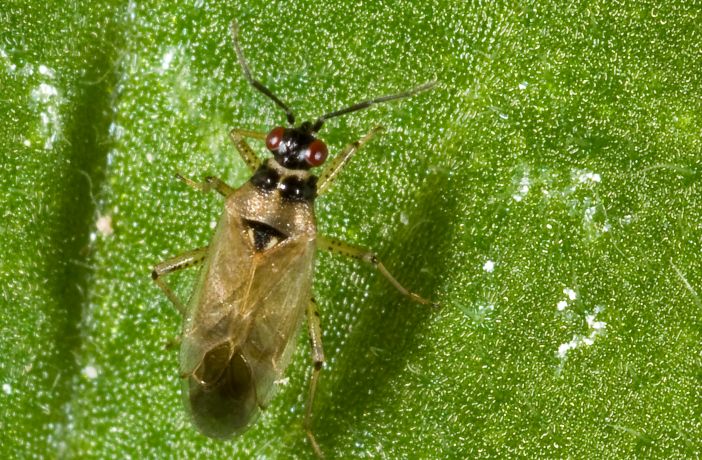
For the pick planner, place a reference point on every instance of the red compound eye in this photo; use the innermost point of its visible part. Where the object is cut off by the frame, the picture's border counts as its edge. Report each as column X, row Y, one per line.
column 274, row 137
column 316, row 153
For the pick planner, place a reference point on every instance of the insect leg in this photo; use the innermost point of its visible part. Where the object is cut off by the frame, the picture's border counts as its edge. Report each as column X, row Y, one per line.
column 247, row 154
column 174, row 264
column 336, row 246
column 337, row 164
column 315, row 331
column 211, row 183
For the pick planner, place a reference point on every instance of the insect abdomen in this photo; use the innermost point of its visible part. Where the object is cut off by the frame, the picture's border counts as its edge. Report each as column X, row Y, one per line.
column 227, row 404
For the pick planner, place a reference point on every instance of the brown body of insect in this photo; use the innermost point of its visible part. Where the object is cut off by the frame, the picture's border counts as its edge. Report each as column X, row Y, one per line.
column 254, row 287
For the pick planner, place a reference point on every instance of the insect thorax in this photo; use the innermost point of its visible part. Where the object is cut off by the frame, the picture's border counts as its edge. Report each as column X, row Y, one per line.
column 293, row 185
column 275, row 205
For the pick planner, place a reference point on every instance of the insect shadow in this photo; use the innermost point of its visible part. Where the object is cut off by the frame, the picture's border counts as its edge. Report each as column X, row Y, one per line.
column 389, row 328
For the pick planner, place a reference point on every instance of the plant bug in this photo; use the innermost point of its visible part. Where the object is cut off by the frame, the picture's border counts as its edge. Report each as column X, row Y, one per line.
column 255, row 283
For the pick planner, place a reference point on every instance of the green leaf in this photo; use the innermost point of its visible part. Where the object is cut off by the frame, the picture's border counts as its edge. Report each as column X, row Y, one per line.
column 547, row 193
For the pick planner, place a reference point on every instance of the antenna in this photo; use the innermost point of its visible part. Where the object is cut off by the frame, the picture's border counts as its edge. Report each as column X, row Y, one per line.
column 364, row 104
column 255, row 83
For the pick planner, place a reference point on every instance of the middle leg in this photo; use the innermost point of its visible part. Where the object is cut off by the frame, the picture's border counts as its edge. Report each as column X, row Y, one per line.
column 369, row 257
column 174, row 264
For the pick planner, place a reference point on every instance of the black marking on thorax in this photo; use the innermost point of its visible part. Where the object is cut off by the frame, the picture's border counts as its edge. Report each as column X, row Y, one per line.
column 291, row 186
column 263, row 236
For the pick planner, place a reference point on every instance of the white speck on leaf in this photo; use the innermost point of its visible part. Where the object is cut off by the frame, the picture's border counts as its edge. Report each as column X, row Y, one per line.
column 104, row 225
column 588, row 176
column 167, row 59
column 90, row 372
column 596, row 328
column 47, row 98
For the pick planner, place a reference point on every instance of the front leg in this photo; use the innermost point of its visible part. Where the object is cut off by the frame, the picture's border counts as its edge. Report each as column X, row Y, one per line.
column 326, row 178
column 211, row 183
column 247, row 154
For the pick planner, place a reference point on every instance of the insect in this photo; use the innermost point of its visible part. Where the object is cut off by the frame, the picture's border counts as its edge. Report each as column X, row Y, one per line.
column 254, row 286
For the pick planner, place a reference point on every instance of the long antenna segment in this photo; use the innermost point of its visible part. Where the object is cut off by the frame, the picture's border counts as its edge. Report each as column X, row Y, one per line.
column 255, row 83
column 364, row 104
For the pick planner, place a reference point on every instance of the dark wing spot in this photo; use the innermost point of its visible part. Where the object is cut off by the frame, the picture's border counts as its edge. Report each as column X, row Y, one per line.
column 263, row 236
column 223, row 406
column 213, row 365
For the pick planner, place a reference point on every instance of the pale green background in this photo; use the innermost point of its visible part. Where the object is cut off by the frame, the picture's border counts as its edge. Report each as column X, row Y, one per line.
column 562, row 144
